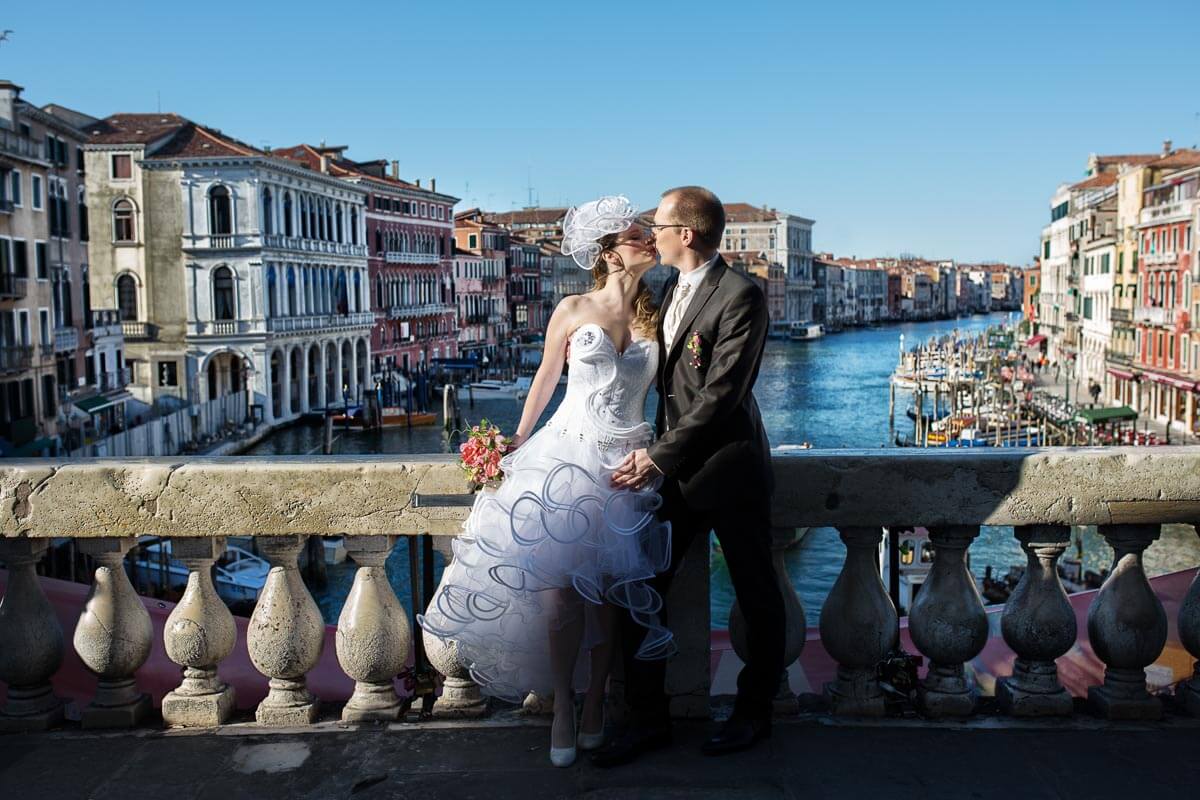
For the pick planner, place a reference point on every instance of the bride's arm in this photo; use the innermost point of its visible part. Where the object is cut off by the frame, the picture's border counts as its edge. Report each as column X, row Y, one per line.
column 554, row 355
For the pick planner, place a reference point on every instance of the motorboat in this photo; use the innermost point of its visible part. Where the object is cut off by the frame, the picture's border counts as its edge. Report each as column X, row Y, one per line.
column 239, row 574
column 803, row 331
column 500, row 390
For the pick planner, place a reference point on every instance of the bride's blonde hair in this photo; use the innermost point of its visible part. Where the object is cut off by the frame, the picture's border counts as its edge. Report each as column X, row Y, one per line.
column 645, row 312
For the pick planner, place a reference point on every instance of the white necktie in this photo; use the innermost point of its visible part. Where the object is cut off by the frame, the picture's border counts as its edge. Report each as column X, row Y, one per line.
column 679, row 304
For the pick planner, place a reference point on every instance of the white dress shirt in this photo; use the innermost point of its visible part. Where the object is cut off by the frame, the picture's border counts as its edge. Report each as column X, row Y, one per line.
column 685, row 290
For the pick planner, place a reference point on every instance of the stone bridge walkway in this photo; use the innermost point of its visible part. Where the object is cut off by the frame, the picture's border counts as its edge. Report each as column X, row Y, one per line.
column 807, row 758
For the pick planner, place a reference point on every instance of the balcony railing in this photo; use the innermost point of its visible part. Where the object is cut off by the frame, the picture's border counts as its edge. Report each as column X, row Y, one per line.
column 139, row 331
column 106, row 322
column 1158, row 259
column 22, row 146
column 373, row 499
column 408, row 312
column 66, row 339
column 1165, row 212
column 281, row 242
column 397, row 257
column 15, row 358
column 1118, row 358
column 115, row 380
column 1120, row 315
column 1158, row 315
column 12, row 287
column 320, row 322
column 6, row 206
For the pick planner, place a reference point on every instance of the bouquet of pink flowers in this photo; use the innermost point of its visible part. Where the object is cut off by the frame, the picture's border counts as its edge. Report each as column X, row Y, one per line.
column 481, row 454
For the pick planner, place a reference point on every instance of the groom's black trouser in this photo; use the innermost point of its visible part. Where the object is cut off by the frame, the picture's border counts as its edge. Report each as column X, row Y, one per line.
column 744, row 532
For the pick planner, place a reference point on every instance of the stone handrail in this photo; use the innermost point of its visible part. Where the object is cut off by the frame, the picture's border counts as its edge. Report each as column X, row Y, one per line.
column 106, row 504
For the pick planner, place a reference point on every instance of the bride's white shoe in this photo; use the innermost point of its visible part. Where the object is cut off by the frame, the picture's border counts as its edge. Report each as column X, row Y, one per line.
column 592, row 741
column 564, row 756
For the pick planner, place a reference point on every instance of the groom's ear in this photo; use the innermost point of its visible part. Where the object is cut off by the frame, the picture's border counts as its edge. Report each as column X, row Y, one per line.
column 687, row 236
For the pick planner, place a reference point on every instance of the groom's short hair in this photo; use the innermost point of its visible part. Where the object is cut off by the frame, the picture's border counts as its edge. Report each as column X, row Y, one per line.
column 700, row 210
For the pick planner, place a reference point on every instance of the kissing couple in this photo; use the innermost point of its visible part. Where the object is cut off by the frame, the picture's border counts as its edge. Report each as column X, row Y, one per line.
column 575, row 551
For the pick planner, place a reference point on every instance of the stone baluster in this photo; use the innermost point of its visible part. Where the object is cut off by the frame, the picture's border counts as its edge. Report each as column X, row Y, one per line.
column 1188, row 692
column 113, row 637
column 1039, row 625
column 859, row 626
column 795, row 623
column 460, row 697
column 948, row 624
column 199, row 634
column 31, row 641
column 1127, row 627
column 373, row 635
column 285, row 636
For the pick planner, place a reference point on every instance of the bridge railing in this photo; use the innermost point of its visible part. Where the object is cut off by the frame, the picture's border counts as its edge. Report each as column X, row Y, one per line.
column 197, row 503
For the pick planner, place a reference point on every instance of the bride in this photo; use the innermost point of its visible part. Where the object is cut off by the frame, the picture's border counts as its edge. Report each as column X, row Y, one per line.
column 547, row 561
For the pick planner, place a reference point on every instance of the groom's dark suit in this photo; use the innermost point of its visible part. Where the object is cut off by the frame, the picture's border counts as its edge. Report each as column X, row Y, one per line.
column 713, row 451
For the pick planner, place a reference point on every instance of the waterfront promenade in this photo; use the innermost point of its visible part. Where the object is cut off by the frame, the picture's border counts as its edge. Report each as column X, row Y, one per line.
column 807, row 759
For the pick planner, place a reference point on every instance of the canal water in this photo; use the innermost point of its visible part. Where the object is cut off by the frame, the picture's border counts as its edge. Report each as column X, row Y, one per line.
column 830, row 392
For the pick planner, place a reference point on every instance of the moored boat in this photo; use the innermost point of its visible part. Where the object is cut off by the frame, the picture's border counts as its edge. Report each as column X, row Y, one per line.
column 803, row 331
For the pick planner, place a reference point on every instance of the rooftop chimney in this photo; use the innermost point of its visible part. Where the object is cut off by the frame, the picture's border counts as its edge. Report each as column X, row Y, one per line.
column 395, row 169
column 9, row 92
column 1166, row 147
column 433, row 184
column 324, row 163
column 418, row 183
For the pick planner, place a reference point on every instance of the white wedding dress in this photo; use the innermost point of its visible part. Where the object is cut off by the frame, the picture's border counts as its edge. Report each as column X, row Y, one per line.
column 556, row 522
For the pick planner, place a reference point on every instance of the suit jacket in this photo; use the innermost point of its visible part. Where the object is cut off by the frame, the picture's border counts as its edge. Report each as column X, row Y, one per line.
column 711, row 437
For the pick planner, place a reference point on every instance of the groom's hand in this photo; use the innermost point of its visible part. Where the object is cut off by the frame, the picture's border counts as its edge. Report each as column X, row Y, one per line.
column 635, row 471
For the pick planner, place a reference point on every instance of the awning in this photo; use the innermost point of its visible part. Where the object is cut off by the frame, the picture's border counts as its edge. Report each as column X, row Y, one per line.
column 96, row 402
column 1116, row 414
column 1034, row 341
column 1171, row 380
column 1123, row 374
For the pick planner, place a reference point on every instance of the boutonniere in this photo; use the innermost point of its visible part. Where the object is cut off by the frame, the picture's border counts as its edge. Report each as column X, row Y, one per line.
column 694, row 343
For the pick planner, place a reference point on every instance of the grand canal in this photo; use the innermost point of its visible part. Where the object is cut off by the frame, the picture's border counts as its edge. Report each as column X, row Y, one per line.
column 830, row 392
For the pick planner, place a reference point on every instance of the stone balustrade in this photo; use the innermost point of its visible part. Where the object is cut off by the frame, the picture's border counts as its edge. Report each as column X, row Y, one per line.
column 197, row 503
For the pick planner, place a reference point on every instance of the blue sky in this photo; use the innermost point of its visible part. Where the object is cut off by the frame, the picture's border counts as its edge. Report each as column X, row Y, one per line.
column 932, row 128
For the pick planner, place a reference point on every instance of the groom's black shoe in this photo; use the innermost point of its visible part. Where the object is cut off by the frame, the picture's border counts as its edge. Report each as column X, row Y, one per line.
column 632, row 744
column 739, row 733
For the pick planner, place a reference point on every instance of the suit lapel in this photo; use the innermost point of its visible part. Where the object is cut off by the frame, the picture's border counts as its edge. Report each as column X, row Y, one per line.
column 703, row 292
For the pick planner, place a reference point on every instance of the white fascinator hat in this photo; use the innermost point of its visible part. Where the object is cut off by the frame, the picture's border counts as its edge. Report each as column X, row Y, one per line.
column 585, row 225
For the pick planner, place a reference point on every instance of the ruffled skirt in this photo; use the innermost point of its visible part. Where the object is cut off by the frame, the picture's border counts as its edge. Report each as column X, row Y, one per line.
column 554, row 523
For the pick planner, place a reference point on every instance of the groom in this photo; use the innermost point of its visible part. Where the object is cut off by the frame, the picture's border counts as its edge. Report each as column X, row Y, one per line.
column 713, row 454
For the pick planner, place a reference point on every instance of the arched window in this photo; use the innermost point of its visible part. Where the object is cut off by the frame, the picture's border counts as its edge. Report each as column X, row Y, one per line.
column 291, row 291
column 378, row 240
column 268, row 212
column 354, row 226
column 220, row 212
column 343, row 293
column 287, row 214
column 127, row 297
column 357, row 290
column 303, row 216
column 124, row 227
column 272, row 302
column 223, row 300
column 339, row 224
column 312, row 218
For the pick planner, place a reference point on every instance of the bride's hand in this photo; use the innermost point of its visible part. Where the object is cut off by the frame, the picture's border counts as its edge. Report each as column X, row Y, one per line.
column 515, row 441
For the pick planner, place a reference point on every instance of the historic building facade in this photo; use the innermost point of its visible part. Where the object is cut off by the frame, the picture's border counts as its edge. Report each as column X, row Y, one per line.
column 481, row 287
column 409, row 236
column 776, row 236
column 234, row 270
column 60, row 377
